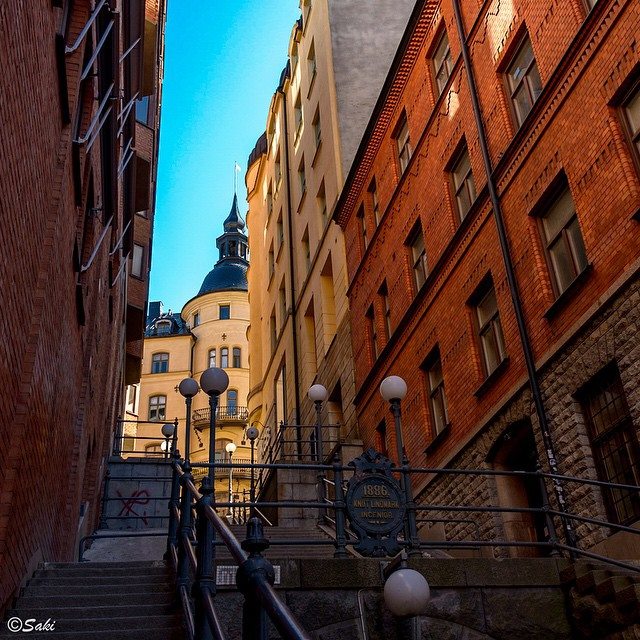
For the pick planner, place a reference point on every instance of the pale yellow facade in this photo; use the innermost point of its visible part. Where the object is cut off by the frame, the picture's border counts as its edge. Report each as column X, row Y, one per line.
column 210, row 331
column 299, row 333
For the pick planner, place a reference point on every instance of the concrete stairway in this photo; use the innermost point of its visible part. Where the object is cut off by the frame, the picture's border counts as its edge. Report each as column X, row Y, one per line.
column 110, row 600
column 605, row 600
column 283, row 550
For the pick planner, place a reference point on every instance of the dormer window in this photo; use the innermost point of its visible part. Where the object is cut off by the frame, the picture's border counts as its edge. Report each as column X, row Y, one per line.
column 163, row 327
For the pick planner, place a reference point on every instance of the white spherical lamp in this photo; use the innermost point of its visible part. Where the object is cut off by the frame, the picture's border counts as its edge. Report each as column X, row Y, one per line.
column 214, row 381
column 188, row 388
column 393, row 388
column 318, row 393
column 168, row 430
column 406, row 593
column 231, row 447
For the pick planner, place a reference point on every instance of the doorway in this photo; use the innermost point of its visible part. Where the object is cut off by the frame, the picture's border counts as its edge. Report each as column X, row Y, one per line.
column 515, row 450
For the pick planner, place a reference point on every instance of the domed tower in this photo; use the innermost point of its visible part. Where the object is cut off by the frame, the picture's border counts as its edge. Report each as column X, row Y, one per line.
column 218, row 317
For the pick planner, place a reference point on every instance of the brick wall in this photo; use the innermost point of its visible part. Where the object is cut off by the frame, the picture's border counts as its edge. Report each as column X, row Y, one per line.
column 61, row 377
column 585, row 62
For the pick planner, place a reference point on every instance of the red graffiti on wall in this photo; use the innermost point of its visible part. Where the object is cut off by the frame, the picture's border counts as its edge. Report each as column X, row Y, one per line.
column 140, row 497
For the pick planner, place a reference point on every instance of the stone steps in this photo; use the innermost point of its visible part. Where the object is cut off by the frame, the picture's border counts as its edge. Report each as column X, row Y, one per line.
column 115, row 600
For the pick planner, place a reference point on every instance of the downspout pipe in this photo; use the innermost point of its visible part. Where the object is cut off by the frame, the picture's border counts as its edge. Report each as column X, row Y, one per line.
column 511, row 279
column 292, row 313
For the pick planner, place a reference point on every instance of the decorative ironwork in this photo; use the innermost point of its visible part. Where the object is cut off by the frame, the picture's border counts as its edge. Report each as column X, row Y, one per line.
column 376, row 505
column 200, row 417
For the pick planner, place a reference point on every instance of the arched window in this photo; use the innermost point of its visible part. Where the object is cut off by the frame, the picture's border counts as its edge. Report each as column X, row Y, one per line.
column 157, row 407
column 212, row 357
column 237, row 360
column 232, row 401
column 160, row 363
column 224, row 357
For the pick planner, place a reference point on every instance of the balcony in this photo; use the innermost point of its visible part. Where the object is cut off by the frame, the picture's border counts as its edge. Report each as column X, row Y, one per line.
column 200, row 417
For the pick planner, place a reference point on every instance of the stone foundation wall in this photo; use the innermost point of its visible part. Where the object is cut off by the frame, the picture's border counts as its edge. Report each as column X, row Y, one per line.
column 609, row 335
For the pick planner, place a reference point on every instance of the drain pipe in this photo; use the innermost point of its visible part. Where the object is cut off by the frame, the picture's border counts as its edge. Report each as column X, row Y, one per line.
column 294, row 329
column 511, row 279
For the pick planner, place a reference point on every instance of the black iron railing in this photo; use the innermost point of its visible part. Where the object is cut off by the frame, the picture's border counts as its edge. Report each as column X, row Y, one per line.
column 201, row 417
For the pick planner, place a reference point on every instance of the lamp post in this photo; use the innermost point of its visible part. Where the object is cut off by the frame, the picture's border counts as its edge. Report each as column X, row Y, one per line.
column 406, row 594
column 213, row 382
column 168, row 431
column 394, row 389
column 231, row 449
column 318, row 394
column 252, row 434
column 188, row 388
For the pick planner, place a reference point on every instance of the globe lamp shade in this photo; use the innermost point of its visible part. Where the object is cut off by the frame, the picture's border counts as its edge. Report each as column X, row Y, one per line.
column 406, row 593
column 214, row 381
column 393, row 388
column 168, row 430
column 318, row 393
column 188, row 388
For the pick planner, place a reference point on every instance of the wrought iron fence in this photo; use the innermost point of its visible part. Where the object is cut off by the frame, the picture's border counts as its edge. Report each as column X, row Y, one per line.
column 230, row 412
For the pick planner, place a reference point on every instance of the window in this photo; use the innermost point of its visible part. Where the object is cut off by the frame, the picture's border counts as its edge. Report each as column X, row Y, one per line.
column 237, row 359
column 272, row 261
column 277, row 170
column 321, row 201
column 317, row 128
column 373, row 334
column 280, row 231
column 212, row 357
column 442, row 62
column 490, row 330
column 273, row 331
column 306, row 249
column 418, row 257
column 375, row 203
column 160, row 363
column 221, row 454
column 297, row 115
column 196, row 318
column 157, row 407
column 311, row 62
column 137, row 261
column 614, row 443
column 563, row 240
column 363, row 227
column 225, row 312
column 463, row 183
column 270, row 199
column 437, row 396
column 142, row 109
column 524, row 81
column 163, row 327
column 232, row 401
column 632, row 118
column 302, row 178
column 224, row 357
column 282, row 301
column 402, row 143
column 383, row 292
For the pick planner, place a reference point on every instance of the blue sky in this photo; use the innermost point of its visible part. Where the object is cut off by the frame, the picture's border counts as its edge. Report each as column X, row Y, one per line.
column 223, row 61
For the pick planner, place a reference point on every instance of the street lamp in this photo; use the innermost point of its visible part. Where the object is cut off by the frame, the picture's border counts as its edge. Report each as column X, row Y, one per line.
column 213, row 382
column 188, row 388
column 231, row 449
column 168, row 431
column 252, row 434
column 318, row 394
column 406, row 594
column 394, row 389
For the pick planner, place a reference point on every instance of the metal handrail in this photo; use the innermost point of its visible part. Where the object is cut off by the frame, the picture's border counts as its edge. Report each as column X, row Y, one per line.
column 229, row 412
column 74, row 47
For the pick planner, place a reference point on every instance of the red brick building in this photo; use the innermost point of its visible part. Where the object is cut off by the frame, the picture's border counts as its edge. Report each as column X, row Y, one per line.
column 79, row 113
column 495, row 251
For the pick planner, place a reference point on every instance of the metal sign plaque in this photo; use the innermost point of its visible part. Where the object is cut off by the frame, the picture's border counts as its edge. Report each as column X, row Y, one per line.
column 375, row 505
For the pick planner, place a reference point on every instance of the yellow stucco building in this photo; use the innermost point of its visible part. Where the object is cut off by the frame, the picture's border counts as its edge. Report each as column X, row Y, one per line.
column 211, row 331
column 299, row 335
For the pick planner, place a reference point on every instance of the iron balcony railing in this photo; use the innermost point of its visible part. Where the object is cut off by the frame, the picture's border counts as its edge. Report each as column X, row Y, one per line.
column 201, row 417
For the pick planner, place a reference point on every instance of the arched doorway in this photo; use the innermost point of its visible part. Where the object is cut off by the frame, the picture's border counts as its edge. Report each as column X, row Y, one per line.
column 515, row 450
